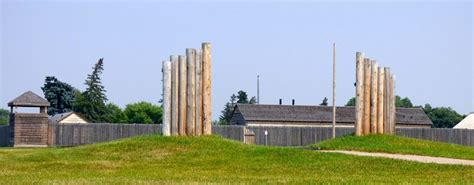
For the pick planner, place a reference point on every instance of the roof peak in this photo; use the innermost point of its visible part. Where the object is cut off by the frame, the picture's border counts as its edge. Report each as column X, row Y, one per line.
column 29, row 99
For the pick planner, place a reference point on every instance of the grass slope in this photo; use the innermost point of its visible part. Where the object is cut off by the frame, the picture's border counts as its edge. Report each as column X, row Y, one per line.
column 397, row 144
column 156, row 159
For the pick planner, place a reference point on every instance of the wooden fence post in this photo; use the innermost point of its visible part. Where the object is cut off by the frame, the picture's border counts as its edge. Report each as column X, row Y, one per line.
column 367, row 90
column 359, row 105
column 182, row 95
column 166, row 126
column 373, row 98
column 190, row 93
column 381, row 88
column 198, row 123
column 206, row 61
column 174, row 94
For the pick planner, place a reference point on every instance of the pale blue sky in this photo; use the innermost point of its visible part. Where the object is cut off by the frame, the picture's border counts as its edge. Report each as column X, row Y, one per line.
column 428, row 46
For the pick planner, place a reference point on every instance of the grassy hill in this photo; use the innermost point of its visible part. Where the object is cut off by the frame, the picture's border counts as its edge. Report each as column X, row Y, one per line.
column 156, row 159
column 397, row 144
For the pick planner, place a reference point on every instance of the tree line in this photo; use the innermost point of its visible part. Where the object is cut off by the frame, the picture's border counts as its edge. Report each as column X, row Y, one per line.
column 93, row 104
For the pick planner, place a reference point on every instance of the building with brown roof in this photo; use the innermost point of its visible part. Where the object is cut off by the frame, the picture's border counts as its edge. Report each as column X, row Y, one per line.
column 321, row 116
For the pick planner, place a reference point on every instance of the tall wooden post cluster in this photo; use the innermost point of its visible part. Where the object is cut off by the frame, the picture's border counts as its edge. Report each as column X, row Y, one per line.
column 187, row 93
column 375, row 98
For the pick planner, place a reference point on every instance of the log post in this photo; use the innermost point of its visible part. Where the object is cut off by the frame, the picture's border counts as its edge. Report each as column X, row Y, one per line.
column 206, row 76
column 182, row 95
column 198, row 114
column 359, row 108
column 174, row 94
column 380, row 114
column 190, row 91
column 393, row 106
column 387, row 102
column 367, row 90
column 166, row 126
column 373, row 98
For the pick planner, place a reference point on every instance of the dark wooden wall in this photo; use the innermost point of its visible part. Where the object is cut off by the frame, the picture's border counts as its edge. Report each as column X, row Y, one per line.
column 4, row 135
column 301, row 136
column 30, row 129
column 81, row 134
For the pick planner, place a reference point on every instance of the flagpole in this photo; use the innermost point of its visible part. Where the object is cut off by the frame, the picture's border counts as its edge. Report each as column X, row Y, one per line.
column 334, row 90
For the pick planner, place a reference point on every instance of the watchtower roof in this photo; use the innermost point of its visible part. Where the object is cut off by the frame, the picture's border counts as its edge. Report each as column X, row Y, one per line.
column 29, row 99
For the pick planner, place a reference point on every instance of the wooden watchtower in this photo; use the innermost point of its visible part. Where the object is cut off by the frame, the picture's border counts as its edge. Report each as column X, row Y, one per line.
column 29, row 129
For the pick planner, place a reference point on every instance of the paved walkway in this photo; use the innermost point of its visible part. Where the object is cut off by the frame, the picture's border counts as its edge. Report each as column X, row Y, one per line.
column 417, row 158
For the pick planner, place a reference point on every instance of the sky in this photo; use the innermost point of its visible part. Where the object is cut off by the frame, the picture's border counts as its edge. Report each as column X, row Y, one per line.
column 427, row 44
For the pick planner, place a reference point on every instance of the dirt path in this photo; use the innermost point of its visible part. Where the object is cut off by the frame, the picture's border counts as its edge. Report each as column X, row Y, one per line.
column 417, row 158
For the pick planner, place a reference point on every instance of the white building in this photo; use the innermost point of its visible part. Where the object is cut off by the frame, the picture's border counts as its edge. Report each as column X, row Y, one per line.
column 67, row 117
column 466, row 123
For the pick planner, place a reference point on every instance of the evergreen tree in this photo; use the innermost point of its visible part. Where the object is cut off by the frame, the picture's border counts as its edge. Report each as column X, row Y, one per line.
column 91, row 103
column 228, row 110
column 241, row 98
column 325, row 102
column 59, row 94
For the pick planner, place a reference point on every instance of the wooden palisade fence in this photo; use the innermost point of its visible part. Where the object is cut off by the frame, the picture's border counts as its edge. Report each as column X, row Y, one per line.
column 375, row 98
column 187, row 93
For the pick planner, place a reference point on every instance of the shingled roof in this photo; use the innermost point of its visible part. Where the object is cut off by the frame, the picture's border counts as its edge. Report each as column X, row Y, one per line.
column 29, row 99
column 321, row 114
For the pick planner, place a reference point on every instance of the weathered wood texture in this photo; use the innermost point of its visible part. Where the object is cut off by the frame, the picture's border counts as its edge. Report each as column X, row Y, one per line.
column 302, row 136
column 166, row 98
column 387, row 128
column 30, row 129
column 4, row 135
column 206, row 76
column 375, row 98
column 381, row 95
column 81, row 134
column 174, row 95
column 367, row 98
column 182, row 95
column 235, row 132
column 390, row 101
column 359, row 92
column 191, row 91
column 392, row 104
column 198, row 113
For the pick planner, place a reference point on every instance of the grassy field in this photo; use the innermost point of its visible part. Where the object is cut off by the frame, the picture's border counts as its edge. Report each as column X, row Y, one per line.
column 397, row 144
column 156, row 159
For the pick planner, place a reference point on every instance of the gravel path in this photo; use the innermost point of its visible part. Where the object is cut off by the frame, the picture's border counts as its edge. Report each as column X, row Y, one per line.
column 417, row 158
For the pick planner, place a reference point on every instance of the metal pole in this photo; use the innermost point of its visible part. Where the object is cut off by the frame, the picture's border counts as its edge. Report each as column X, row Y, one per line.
column 334, row 91
column 258, row 89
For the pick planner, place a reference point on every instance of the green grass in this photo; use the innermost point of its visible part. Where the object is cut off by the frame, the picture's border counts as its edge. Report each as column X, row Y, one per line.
column 156, row 159
column 397, row 144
